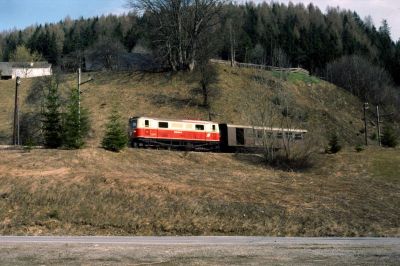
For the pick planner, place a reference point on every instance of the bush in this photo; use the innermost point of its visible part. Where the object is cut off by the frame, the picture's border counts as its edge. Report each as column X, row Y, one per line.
column 359, row 148
column 53, row 214
column 334, row 145
column 115, row 138
column 31, row 128
column 389, row 137
column 28, row 145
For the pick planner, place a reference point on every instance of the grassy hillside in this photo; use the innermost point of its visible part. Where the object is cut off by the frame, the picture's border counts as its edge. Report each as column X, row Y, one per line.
column 324, row 107
column 156, row 192
column 151, row 192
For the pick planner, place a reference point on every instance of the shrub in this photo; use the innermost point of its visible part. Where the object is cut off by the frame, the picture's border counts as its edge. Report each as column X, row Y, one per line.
column 334, row 145
column 276, row 100
column 359, row 148
column 53, row 214
column 28, row 145
column 115, row 138
column 389, row 137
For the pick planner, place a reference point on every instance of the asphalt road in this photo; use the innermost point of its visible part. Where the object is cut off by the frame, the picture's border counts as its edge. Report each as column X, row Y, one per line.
column 69, row 250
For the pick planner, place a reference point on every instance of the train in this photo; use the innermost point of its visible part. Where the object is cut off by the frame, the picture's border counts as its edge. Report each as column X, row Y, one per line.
column 204, row 135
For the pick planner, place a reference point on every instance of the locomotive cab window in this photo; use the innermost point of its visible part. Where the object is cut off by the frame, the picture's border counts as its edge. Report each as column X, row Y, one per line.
column 213, row 127
column 133, row 123
column 199, row 127
column 146, row 123
column 163, row 124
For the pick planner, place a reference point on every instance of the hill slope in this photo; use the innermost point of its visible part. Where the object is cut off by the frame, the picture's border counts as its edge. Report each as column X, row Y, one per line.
column 152, row 192
column 324, row 107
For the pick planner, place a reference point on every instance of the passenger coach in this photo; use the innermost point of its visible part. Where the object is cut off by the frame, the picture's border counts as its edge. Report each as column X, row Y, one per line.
column 189, row 134
column 240, row 138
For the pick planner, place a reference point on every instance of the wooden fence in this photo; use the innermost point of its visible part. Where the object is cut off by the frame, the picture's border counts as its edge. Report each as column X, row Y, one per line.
column 264, row 67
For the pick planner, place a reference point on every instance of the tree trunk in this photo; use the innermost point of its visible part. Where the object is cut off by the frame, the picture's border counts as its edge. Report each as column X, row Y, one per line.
column 205, row 95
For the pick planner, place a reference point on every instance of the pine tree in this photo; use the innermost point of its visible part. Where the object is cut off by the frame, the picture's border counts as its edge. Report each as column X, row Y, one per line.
column 52, row 126
column 76, row 123
column 334, row 145
column 115, row 138
column 389, row 137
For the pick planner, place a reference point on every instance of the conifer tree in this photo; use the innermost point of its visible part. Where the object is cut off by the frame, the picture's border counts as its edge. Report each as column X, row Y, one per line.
column 389, row 138
column 115, row 138
column 76, row 123
column 52, row 126
column 334, row 145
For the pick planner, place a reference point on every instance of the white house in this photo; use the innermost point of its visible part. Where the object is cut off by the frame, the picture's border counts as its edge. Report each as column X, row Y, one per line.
column 11, row 70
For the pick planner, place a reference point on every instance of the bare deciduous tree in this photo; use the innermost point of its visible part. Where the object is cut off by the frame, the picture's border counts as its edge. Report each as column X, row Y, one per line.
column 106, row 52
column 269, row 106
column 177, row 27
column 259, row 111
column 360, row 77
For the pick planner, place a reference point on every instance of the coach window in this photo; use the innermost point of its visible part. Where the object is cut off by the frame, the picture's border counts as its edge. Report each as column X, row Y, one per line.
column 146, row 123
column 163, row 124
column 298, row 136
column 199, row 127
column 279, row 135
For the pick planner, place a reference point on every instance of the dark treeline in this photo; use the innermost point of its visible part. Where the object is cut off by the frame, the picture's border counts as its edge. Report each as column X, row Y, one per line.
column 67, row 41
column 249, row 33
column 309, row 37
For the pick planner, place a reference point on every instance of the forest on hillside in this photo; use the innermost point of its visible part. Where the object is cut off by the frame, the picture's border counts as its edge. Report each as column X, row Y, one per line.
column 309, row 37
column 329, row 44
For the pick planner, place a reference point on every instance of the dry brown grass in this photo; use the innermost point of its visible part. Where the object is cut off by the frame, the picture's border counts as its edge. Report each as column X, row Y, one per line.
column 152, row 192
column 167, row 95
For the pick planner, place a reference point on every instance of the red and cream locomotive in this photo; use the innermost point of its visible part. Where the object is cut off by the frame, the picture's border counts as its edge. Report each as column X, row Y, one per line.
column 192, row 134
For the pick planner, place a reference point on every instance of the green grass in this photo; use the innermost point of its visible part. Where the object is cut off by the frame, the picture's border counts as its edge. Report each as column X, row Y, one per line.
column 296, row 77
column 386, row 165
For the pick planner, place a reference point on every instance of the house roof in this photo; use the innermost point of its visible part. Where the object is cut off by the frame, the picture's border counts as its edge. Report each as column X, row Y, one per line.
column 9, row 65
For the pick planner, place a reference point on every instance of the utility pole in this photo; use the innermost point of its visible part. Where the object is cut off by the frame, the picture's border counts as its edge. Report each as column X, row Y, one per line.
column 79, row 94
column 378, row 122
column 232, row 41
column 365, row 123
column 16, row 114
